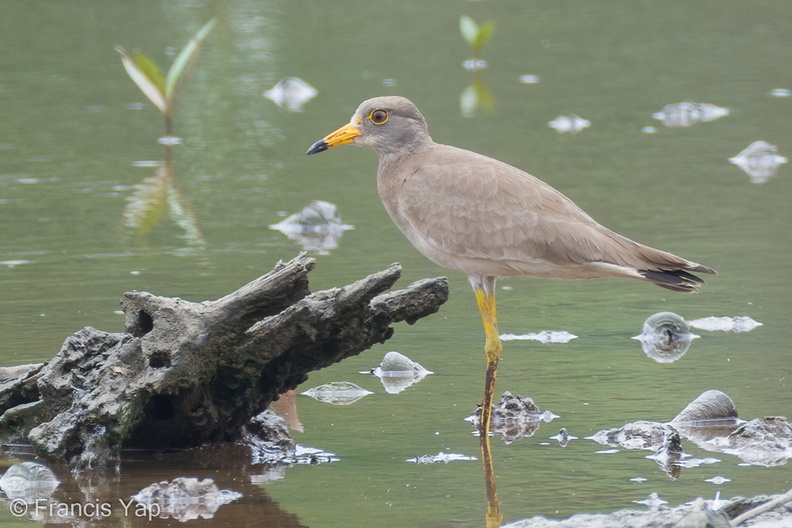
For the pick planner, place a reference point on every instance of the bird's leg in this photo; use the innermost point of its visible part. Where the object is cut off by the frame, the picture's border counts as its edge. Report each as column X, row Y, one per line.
column 484, row 287
column 485, row 297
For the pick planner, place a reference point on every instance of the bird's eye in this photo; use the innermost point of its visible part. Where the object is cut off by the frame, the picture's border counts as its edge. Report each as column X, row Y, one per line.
column 378, row 116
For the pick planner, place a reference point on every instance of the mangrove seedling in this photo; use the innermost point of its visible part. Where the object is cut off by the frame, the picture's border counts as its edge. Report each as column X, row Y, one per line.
column 162, row 90
column 477, row 36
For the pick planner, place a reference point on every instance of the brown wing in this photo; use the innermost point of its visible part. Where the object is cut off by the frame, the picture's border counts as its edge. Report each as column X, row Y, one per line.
column 477, row 208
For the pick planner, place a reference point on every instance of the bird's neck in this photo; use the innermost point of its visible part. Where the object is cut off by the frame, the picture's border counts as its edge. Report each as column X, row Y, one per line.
column 396, row 154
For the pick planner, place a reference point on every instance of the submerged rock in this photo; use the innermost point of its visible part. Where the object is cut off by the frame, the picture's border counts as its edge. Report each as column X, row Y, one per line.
column 711, row 422
column 545, row 336
column 711, row 406
column 291, row 93
column 636, row 435
column 514, row 417
column 759, row 160
column 762, row 441
column 569, row 124
column 665, row 517
column 28, row 481
column 665, row 337
column 184, row 498
column 563, row 437
column 688, row 113
column 703, row 517
column 441, row 457
column 396, row 372
column 316, row 227
column 268, row 437
column 337, row 393
column 738, row 323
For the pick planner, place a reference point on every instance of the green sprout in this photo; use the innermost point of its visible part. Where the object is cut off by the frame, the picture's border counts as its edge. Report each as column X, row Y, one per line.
column 475, row 35
column 162, row 90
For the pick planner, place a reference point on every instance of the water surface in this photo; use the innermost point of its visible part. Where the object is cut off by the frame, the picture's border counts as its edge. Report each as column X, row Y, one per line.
column 75, row 129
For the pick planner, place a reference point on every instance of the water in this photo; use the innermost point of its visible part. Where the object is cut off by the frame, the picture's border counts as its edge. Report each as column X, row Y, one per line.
column 75, row 129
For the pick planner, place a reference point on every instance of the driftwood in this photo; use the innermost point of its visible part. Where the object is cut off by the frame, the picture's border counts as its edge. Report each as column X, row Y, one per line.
column 185, row 374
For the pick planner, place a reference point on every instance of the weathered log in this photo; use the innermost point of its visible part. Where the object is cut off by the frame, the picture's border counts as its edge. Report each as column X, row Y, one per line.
column 185, row 374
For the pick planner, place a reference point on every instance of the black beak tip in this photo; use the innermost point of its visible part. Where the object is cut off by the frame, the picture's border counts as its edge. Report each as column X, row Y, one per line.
column 319, row 146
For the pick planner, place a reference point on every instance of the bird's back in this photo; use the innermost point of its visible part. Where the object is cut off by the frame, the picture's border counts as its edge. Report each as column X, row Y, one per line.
column 480, row 216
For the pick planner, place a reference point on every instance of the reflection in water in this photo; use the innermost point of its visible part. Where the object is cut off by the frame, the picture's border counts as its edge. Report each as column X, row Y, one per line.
column 397, row 372
column 665, row 337
column 317, row 227
column 688, row 113
column 291, row 93
column 494, row 516
column 337, row 393
column 569, row 124
column 156, row 195
column 759, row 161
column 476, row 97
column 100, row 499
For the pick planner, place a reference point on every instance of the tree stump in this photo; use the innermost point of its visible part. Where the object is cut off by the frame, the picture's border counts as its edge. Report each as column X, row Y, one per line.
column 185, row 373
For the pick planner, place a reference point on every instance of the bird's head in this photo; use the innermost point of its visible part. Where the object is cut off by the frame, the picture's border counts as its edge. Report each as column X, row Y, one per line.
column 389, row 125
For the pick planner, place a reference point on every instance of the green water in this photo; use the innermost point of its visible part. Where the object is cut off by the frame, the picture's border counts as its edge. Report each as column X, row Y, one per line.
column 74, row 126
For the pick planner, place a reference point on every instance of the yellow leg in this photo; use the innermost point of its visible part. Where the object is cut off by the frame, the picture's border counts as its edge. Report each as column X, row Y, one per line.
column 485, row 298
column 492, row 349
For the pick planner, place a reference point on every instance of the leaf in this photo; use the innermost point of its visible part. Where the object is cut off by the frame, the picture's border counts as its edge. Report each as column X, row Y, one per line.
column 184, row 61
column 469, row 29
column 150, row 70
column 483, row 35
column 142, row 81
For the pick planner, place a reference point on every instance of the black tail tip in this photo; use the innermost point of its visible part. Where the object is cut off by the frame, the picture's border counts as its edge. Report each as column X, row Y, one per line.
column 677, row 280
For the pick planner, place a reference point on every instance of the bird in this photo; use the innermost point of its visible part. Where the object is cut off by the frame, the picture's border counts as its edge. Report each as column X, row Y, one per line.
column 487, row 219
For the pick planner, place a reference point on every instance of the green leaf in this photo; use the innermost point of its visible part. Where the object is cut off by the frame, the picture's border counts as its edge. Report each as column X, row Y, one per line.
column 469, row 29
column 483, row 35
column 150, row 70
column 184, row 62
column 142, row 81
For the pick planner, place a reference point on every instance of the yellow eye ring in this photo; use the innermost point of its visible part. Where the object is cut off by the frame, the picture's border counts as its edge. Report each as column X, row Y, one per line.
column 379, row 116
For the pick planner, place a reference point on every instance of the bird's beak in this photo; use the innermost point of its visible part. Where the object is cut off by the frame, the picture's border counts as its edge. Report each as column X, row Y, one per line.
column 342, row 136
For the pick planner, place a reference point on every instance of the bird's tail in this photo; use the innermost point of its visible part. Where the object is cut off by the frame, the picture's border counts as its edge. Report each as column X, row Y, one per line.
column 678, row 279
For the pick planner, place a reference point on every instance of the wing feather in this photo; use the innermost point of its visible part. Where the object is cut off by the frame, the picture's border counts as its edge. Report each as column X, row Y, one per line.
column 460, row 207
